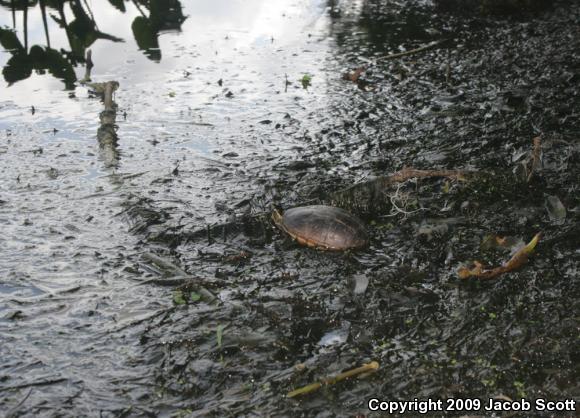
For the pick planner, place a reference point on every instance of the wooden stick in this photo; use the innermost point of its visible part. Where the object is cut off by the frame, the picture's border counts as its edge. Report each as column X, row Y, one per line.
column 181, row 277
column 164, row 264
column 365, row 368
column 110, row 87
column 413, row 51
column 409, row 173
column 34, row 384
column 355, row 75
column 404, row 175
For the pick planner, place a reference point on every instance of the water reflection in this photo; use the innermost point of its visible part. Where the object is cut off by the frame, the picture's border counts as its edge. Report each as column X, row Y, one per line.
column 164, row 15
column 356, row 27
column 77, row 21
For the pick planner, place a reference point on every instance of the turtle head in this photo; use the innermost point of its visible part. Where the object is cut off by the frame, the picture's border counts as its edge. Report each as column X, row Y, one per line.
column 277, row 216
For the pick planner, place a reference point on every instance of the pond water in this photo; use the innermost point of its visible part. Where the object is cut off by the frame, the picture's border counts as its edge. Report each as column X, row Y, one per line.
column 111, row 255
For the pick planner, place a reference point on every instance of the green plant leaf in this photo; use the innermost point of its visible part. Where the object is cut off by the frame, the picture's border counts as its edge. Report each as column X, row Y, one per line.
column 219, row 335
column 178, row 297
column 306, row 80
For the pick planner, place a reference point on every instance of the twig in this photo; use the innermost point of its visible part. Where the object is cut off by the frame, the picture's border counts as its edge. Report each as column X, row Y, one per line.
column 165, row 311
column 171, row 281
column 413, row 51
column 404, row 175
column 12, row 411
column 165, row 264
column 355, row 75
column 182, row 279
column 408, row 173
column 28, row 385
column 365, row 368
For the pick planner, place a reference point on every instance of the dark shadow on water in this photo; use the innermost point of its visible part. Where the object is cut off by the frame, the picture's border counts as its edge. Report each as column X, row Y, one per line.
column 373, row 27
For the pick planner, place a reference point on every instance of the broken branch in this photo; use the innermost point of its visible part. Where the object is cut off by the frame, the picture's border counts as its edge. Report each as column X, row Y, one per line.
column 408, row 173
column 414, row 51
column 365, row 368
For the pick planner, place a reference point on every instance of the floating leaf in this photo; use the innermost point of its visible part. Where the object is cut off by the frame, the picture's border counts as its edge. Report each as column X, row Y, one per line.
column 178, row 297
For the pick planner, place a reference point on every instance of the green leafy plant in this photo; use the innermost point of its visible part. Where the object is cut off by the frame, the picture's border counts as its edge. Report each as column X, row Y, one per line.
column 306, row 81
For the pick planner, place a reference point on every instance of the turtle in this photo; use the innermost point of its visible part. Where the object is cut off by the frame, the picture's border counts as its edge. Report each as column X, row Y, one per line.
column 322, row 227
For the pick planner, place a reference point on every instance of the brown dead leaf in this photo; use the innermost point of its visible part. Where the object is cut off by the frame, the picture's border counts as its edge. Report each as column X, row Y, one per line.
column 354, row 75
column 518, row 260
column 501, row 241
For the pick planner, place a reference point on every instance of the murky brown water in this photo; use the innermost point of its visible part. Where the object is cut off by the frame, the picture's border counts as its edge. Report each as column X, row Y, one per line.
column 215, row 126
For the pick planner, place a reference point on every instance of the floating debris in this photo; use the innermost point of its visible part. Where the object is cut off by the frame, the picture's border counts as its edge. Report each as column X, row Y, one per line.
column 556, row 210
column 306, row 81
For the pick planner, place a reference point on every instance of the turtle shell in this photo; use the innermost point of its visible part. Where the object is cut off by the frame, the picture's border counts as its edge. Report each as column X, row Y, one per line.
column 324, row 227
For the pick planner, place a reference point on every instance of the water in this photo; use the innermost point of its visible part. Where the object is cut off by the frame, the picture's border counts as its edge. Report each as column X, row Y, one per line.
column 66, row 252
